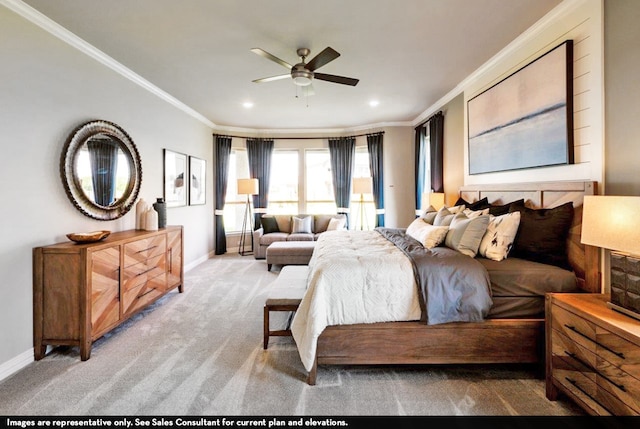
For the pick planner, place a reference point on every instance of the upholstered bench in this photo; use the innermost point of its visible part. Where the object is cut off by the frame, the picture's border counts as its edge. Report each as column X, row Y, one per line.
column 289, row 253
column 285, row 294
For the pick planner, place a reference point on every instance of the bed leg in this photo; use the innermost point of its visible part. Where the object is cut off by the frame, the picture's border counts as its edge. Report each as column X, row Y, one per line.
column 311, row 378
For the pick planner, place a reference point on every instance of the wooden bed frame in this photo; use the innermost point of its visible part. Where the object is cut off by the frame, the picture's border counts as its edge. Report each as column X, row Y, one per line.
column 490, row 341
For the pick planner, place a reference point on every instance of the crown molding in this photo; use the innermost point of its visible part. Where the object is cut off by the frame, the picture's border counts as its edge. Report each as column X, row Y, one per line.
column 47, row 24
column 564, row 8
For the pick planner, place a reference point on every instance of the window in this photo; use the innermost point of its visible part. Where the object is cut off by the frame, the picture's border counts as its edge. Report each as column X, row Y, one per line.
column 319, row 198
column 234, row 204
column 283, row 184
column 363, row 210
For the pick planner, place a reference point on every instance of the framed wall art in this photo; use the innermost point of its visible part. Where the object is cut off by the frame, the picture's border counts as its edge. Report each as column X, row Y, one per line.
column 175, row 174
column 197, row 181
column 526, row 119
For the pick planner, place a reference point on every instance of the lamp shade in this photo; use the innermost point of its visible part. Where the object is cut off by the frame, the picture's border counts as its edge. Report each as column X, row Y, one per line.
column 436, row 199
column 248, row 187
column 611, row 222
column 362, row 185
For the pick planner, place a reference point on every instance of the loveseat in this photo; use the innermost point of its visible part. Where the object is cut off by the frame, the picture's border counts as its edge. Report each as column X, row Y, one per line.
column 300, row 227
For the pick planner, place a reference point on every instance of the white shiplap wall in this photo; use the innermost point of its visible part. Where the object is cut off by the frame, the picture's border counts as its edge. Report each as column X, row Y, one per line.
column 581, row 21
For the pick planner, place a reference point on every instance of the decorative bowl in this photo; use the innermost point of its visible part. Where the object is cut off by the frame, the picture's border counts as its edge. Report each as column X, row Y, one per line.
column 88, row 237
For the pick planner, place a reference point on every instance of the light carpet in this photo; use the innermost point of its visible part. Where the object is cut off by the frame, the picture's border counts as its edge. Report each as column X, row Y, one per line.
column 200, row 353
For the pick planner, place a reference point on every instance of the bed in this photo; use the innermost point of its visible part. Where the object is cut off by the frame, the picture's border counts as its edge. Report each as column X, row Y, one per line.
column 505, row 332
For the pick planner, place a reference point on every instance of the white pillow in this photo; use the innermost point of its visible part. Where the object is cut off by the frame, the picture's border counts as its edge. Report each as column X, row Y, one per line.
column 428, row 235
column 475, row 213
column 336, row 223
column 466, row 234
column 301, row 225
column 500, row 235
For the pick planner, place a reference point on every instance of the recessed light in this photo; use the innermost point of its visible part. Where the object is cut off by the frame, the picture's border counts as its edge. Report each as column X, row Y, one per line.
column 247, row 105
column 374, row 103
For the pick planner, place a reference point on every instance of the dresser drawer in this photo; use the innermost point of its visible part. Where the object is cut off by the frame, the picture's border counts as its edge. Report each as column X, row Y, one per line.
column 562, row 346
column 618, row 351
column 135, row 275
column 140, row 295
column 141, row 250
column 576, row 328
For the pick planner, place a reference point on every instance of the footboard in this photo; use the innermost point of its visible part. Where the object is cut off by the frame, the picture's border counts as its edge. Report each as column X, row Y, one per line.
column 491, row 341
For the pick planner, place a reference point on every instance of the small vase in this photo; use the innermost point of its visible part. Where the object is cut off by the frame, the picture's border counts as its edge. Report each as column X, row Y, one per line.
column 141, row 212
column 151, row 220
column 161, row 207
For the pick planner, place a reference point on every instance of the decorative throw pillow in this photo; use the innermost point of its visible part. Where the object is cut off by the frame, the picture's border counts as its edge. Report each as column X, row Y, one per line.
column 501, row 232
column 429, row 215
column 269, row 224
column 466, row 234
column 542, row 234
column 474, row 213
column 456, row 209
column 428, row 235
column 301, row 225
column 443, row 217
column 499, row 210
column 480, row 204
column 336, row 223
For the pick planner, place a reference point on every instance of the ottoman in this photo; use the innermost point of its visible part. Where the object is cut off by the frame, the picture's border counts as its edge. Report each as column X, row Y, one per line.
column 289, row 253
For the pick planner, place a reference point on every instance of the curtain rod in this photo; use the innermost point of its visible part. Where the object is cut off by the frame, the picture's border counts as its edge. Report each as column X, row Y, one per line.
column 430, row 118
column 299, row 138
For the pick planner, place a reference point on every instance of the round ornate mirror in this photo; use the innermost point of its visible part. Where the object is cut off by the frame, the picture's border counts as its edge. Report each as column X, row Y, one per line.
column 100, row 169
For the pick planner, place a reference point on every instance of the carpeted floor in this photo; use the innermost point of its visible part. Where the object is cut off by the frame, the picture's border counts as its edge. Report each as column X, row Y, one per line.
column 200, row 353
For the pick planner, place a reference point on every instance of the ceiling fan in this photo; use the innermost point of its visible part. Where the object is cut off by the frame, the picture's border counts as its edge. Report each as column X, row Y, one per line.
column 304, row 73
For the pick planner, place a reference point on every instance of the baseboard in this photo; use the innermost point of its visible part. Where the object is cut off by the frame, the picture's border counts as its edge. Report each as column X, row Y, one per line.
column 16, row 364
column 197, row 262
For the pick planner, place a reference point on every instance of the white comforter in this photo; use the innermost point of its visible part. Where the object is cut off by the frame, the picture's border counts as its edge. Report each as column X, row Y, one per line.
column 354, row 277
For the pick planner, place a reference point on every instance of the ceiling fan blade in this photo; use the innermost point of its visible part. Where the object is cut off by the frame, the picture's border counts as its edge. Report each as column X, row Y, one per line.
column 273, row 58
column 336, row 79
column 269, row 79
column 321, row 59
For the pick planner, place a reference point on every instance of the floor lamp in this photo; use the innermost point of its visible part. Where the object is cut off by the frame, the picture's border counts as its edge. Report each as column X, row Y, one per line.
column 247, row 187
column 362, row 185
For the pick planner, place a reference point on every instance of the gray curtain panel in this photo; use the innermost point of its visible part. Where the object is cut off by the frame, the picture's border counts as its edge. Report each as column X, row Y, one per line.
column 223, row 153
column 259, row 152
column 103, row 155
column 374, row 146
column 436, row 137
column 342, row 153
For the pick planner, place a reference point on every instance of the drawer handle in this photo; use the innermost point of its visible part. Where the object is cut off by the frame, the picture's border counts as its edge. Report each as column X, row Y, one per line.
column 575, row 384
column 146, row 271
column 574, row 329
column 148, row 248
column 575, row 357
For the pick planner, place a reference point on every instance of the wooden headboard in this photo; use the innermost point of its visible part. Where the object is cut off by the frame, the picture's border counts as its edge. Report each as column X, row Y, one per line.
column 585, row 260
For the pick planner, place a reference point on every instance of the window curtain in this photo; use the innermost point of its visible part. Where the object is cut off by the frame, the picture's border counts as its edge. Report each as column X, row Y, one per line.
column 436, row 143
column 374, row 146
column 259, row 153
column 342, row 153
column 420, row 161
column 223, row 153
column 103, row 156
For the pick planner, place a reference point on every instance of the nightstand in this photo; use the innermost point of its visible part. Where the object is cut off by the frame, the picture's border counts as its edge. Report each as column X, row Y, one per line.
column 592, row 354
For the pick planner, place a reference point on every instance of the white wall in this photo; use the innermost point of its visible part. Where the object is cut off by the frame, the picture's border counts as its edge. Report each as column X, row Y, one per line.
column 47, row 88
column 580, row 20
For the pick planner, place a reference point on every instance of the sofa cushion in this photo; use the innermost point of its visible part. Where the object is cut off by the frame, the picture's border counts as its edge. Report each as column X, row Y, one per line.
column 300, row 237
column 267, row 239
column 284, row 222
column 321, row 222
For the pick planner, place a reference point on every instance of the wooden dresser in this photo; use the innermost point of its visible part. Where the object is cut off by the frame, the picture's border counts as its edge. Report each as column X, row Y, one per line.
column 82, row 291
column 592, row 354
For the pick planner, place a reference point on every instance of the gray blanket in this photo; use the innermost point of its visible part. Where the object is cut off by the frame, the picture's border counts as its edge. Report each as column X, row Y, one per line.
column 453, row 287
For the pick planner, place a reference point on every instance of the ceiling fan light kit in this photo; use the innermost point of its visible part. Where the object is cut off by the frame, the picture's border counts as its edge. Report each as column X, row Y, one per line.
column 302, row 73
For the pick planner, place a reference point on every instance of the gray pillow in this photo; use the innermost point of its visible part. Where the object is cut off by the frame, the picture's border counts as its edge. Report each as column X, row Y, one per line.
column 443, row 217
column 465, row 234
column 301, row 225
